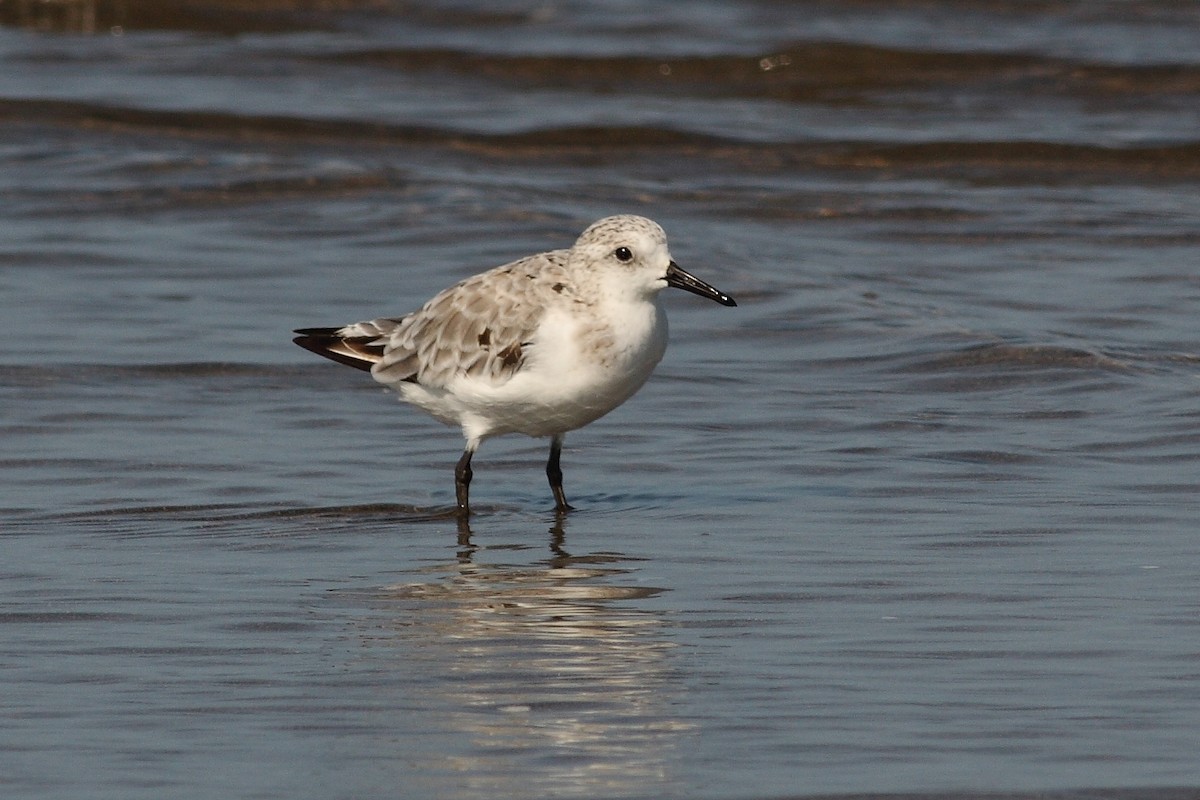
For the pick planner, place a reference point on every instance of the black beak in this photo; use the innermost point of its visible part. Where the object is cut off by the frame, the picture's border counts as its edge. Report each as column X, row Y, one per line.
column 680, row 279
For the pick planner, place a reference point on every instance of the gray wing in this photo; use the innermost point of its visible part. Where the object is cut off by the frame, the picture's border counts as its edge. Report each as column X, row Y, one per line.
column 482, row 327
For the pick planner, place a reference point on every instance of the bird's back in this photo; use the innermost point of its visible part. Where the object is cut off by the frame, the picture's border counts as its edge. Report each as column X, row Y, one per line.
column 480, row 328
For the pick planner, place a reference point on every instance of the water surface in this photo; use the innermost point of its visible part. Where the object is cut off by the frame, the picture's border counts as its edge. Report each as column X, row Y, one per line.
column 917, row 518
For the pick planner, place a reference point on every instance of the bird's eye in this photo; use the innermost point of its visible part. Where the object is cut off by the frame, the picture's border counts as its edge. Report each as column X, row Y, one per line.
column 623, row 253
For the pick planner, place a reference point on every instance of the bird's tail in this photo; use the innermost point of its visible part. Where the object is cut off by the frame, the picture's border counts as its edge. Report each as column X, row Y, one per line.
column 343, row 345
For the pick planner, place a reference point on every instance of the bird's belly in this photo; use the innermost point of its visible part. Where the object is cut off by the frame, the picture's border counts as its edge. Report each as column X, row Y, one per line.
column 543, row 403
column 531, row 407
column 572, row 376
column 558, row 409
column 569, row 381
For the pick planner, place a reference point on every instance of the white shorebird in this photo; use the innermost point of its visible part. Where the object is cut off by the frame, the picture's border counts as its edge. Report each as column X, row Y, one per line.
column 541, row 346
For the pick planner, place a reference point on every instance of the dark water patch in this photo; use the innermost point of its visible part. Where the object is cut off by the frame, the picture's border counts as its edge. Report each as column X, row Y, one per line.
column 20, row 375
column 935, row 486
column 65, row 617
column 345, row 132
column 1033, row 161
column 231, row 512
column 1136, row 793
column 987, row 457
column 776, row 207
column 381, row 512
column 200, row 124
column 1180, row 444
column 270, row 627
column 1006, row 356
column 1056, row 414
column 1016, row 161
column 1000, row 538
column 1180, row 239
column 101, row 468
column 226, row 17
column 1183, row 490
column 233, row 17
column 825, row 72
column 228, row 193
column 1005, row 367
column 58, row 258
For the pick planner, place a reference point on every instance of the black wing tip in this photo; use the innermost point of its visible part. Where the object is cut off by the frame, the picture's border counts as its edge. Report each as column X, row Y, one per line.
column 321, row 332
column 321, row 341
column 315, row 339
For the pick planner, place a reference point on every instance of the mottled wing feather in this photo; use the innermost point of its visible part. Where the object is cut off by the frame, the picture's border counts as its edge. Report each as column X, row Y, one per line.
column 481, row 327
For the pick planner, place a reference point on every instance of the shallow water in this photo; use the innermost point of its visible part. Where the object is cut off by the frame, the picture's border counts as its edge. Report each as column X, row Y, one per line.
column 917, row 517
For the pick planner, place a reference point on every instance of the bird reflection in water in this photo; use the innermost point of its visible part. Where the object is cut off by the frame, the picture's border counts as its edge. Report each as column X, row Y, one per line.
column 552, row 675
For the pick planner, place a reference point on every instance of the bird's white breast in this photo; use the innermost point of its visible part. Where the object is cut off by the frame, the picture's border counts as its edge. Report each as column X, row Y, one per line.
column 579, row 366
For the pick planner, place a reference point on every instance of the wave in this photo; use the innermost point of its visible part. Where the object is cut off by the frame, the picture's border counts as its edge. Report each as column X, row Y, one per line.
column 805, row 71
column 232, row 17
column 1001, row 356
column 211, row 16
column 1034, row 157
column 25, row 375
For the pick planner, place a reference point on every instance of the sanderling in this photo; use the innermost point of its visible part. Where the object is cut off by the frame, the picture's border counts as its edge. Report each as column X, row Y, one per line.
column 541, row 346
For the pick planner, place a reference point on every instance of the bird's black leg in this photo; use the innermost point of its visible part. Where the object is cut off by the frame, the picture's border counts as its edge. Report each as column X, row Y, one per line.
column 462, row 481
column 554, row 473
